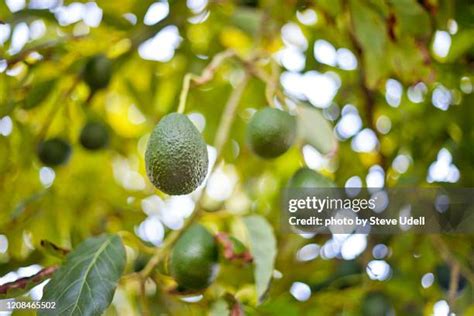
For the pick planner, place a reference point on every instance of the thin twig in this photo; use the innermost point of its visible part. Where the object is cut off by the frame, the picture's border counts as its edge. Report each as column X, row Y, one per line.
column 22, row 55
column 228, row 115
column 453, row 285
column 272, row 84
column 184, row 93
column 206, row 76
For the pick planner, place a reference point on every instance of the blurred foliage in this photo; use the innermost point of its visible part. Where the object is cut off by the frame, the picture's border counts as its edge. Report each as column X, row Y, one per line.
column 43, row 95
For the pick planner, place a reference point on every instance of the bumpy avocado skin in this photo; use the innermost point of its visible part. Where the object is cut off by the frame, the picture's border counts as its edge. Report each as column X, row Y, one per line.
column 176, row 155
column 271, row 132
column 308, row 178
column 94, row 135
column 98, row 72
column 193, row 260
column 54, row 152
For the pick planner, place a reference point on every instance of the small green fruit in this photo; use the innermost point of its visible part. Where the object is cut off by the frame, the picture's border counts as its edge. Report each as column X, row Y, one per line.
column 271, row 132
column 54, row 152
column 193, row 260
column 98, row 72
column 308, row 178
column 94, row 136
column 376, row 304
column 176, row 155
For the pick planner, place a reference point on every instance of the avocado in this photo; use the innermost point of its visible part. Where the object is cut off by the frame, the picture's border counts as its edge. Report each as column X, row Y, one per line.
column 193, row 260
column 98, row 72
column 176, row 155
column 54, row 152
column 94, row 135
column 271, row 132
column 308, row 178
column 376, row 304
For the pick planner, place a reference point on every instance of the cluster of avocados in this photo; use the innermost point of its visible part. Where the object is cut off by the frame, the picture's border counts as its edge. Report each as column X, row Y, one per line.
column 94, row 135
column 177, row 162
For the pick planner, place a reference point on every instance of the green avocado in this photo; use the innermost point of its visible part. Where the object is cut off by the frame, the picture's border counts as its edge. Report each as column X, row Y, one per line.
column 271, row 132
column 376, row 304
column 94, row 135
column 176, row 155
column 193, row 260
column 54, row 152
column 98, row 72
column 308, row 178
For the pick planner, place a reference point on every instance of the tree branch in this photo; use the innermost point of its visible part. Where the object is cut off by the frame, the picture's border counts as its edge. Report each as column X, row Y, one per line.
column 11, row 289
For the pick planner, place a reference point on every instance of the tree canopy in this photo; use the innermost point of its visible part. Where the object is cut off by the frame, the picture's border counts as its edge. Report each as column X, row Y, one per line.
column 382, row 94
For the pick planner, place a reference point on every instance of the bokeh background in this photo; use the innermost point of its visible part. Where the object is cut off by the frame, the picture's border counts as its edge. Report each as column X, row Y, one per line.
column 388, row 90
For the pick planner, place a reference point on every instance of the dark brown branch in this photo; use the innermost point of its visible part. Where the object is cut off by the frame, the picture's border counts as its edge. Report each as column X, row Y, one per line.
column 27, row 283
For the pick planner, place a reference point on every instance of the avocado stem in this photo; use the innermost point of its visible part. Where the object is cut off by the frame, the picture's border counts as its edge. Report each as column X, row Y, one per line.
column 184, row 92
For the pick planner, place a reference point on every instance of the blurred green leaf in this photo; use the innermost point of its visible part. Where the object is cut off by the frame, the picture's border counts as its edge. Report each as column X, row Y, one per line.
column 315, row 130
column 38, row 93
column 264, row 249
column 370, row 31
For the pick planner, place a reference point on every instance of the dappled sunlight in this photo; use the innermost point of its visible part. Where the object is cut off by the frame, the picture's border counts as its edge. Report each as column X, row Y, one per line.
column 132, row 165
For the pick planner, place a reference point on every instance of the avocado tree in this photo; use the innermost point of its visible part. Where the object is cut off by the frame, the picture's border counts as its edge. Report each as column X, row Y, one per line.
column 145, row 146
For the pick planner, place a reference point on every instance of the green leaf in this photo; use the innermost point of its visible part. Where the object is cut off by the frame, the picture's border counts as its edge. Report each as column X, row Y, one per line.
column 412, row 19
column 38, row 93
column 263, row 248
column 247, row 19
column 219, row 308
column 371, row 33
column 86, row 283
column 315, row 130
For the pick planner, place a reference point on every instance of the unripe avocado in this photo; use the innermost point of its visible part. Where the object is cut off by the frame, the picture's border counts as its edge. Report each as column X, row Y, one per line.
column 176, row 155
column 97, row 72
column 308, row 178
column 271, row 132
column 54, row 152
column 193, row 260
column 94, row 135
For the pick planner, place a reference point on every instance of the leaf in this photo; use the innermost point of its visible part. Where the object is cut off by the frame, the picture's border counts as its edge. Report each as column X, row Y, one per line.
column 86, row 283
column 219, row 308
column 39, row 93
column 247, row 19
column 412, row 19
column 371, row 34
column 263, row 249
column 23, row 285
column 315, row 130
